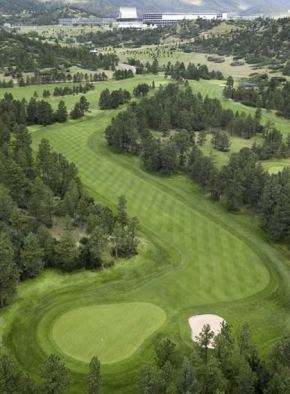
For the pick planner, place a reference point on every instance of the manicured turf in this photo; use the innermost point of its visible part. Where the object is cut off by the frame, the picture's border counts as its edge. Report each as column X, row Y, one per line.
column 112, row 331
column 194, row 258
column 275, row 166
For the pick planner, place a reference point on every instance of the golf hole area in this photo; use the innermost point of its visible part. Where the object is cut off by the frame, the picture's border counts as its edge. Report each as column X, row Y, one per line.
column 111, row 332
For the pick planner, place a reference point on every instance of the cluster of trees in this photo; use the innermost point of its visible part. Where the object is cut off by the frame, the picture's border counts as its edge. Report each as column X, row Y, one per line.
column 41, row 112
column 270, row 94
column 179, row 71
column 147, row 68
column 123, row 74
column 7, row 84
column 28, row 55
column 54, row 76
column 262, row 41
column 127, row 37
column 80, row 108
column 142, row 89
column 34, row 190
column 68, row 90
column 55, row 377
column 112, row 100
column 234, row 365
column 173, row 108
column 240, row 184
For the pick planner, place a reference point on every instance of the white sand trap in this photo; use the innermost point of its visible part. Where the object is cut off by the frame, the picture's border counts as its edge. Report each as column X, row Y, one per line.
column 199, row 321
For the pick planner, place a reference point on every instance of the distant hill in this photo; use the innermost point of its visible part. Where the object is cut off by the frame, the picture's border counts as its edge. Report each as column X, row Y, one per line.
column 10, row 7
column 110, row 7
column 245, row 7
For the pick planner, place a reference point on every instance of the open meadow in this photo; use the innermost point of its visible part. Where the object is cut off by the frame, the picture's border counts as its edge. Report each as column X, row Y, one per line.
column 194, row 257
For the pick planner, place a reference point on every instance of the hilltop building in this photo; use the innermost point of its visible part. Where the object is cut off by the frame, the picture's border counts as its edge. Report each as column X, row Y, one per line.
column 128, row 19
column 173, row 18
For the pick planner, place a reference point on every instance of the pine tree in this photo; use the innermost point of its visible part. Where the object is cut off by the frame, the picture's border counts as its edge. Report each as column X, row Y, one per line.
column 66, row 252
column 11, row 379
column 204, row 339
column 77, row 112
column 84, row 104
column 94, row 376
column 9, row 274
column 61, row 114
column 122, row 211
column 105, row 99
column 55, row 375
column 187, row 383
column 31, row 257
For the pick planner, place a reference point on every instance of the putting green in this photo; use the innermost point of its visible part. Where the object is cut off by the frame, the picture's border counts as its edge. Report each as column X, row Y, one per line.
column 113, row 332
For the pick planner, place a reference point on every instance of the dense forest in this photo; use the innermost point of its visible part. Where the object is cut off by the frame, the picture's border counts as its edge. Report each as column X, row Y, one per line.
column 191, row 72
column 262, row 92
column 168, row 130
column 35, row 192
column 234, row 366
column 18, row 53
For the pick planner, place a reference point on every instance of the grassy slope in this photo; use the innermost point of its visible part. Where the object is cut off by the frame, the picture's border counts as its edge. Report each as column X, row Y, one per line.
column 195, row 259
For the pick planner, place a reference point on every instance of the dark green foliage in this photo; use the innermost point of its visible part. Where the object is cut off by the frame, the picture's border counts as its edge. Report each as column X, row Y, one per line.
column 8, row 271
column 267, row 93
column 112, row 100
column 229, row 365
column 123, row 74
column 192, row 72
column 141, row 90
column 23, row 54
column 221, row 141
column 75, row 89
column 61, row 114
column 55, row 376
column 35, row 193
column 94, row 378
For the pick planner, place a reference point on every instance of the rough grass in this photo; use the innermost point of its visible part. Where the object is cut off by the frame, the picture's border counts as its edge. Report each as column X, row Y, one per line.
column 112, row 331
column 195, row 258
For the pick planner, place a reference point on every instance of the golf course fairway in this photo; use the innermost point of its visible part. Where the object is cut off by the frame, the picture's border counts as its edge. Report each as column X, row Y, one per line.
column 194, row 258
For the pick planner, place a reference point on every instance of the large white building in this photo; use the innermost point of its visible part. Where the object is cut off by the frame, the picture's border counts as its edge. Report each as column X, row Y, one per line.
column 128, row 13
column 128, row 17
column 173, row 18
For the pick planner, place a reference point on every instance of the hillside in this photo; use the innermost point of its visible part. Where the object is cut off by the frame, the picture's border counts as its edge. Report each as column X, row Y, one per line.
column 245, row 7
column 110, row 7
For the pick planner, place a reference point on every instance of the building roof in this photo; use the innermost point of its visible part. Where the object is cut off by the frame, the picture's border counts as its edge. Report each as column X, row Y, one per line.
column 128, row 13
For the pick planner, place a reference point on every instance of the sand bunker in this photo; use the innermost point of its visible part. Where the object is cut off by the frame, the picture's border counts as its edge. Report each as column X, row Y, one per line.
column 197, row 322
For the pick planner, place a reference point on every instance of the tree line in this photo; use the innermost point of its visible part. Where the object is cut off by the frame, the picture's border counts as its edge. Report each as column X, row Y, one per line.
column 180, row 71
column 41, row 112
column 69, row 90
column 233, row 366
column 269, row 94
column 123, row 74
column 37, row 189
column 242, row 183
column 112, row 100
column 55, row 76
column 54, row 377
